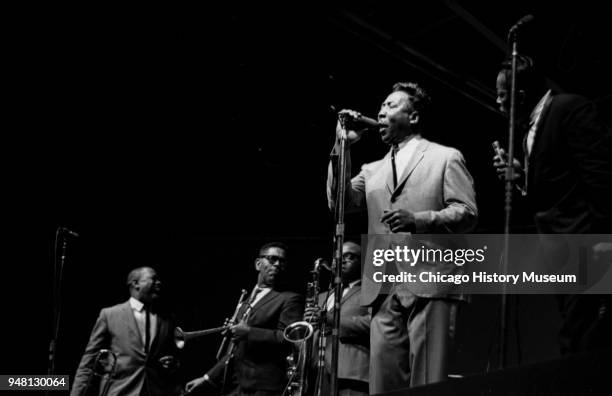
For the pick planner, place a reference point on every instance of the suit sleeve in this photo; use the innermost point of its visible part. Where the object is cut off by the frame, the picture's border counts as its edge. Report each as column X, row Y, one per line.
column 590, row 143
column 216, row 374
column 292, row 311
column 459, row 199
column 99, row 339
column 355, row 188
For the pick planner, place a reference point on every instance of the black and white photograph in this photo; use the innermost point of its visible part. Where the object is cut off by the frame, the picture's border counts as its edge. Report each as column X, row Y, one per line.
column 307, row 199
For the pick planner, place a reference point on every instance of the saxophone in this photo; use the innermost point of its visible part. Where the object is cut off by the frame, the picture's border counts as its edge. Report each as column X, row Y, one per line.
column 300, row 334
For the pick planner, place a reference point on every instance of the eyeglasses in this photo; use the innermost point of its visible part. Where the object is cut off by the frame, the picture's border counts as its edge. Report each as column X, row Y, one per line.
column 273, row 259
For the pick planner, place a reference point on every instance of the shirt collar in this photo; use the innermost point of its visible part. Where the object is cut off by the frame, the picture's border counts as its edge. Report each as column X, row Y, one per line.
column 136, row 305
column 411, row 140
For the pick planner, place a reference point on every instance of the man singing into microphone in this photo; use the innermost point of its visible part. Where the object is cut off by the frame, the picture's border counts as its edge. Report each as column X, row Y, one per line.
column 418, row 187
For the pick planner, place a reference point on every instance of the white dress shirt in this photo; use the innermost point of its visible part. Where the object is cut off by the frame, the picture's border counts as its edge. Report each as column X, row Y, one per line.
column 260, row 295
column 140, row 315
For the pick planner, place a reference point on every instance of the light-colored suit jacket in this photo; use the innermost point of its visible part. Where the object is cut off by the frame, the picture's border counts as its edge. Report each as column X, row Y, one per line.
column 435, row 186
column 116, row 329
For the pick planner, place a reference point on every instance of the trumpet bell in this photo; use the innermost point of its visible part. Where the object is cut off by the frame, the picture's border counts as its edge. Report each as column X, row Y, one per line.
column 298, row 332
column 181, row 336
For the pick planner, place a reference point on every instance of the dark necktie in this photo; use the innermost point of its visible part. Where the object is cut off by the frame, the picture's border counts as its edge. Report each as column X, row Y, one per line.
column 393, row 150
column 147, row 329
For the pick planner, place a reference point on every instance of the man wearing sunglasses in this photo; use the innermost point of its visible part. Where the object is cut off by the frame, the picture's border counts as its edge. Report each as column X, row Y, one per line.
column 259, row 365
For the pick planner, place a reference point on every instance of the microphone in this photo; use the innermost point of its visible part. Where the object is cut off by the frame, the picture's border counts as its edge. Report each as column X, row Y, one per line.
column 69, row 232
column 352, row 119
column 514, row 29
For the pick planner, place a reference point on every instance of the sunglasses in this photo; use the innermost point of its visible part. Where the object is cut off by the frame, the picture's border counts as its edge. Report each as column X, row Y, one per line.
column 273, row 259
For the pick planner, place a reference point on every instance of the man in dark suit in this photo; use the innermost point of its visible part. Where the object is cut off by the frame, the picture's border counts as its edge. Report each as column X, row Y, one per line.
column 418, row 187
column 259, row 366
column 140, row 336
column 354, row 348
column 567, row 179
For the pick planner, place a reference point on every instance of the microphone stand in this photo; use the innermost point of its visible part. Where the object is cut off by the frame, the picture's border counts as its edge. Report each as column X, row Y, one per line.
column 509, row 186
column 58, row 274
column 58, row 268
column 337, row 262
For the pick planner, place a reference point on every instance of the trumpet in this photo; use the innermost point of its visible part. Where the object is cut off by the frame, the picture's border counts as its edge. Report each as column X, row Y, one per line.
column 181, row 337
column 300, row 335
column 229, row 323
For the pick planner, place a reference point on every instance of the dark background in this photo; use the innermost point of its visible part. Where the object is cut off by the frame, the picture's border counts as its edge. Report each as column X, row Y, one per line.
column 186, row 138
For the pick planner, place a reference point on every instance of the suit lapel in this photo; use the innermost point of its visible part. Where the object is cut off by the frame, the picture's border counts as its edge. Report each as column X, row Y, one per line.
column 351, row 291
column 540, row 123
column 128, row 318
column 529, row 155
column 271, row 295
column 348, row 294
column 160, row 330
column 417, row 156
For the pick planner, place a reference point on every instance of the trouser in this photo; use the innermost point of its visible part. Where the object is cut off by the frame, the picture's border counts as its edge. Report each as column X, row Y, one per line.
column 410, row 341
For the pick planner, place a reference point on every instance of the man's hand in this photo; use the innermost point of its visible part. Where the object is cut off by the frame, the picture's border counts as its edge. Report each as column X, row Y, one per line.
column 240, row 331
column 399, row 220
column 348, row 117
column 313, row 315
column 194, row 384
column 203, row 382
column 500, row 162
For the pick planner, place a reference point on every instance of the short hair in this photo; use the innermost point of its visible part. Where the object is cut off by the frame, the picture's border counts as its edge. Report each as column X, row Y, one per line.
column 352, row 241
column 419, row 98
column 269, row 245
column 528, row 75
column 136, row 274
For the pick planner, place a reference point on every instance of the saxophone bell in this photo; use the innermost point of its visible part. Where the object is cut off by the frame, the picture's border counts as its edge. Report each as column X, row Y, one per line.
column 298, row 332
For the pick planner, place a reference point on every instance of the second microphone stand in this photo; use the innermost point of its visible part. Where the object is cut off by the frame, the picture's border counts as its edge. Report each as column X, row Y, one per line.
column 509, row 188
